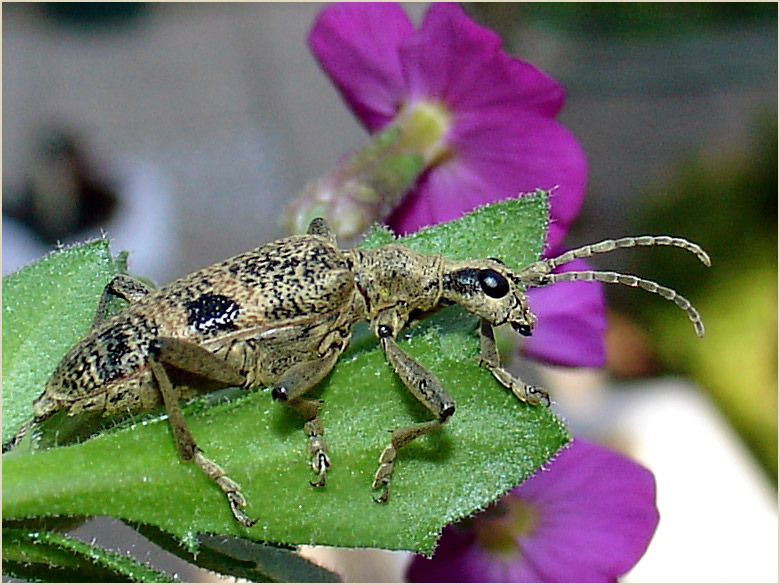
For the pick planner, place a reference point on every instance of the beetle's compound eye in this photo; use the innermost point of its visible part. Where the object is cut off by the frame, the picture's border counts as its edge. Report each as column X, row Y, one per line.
column 522, row 329
column 493, row 283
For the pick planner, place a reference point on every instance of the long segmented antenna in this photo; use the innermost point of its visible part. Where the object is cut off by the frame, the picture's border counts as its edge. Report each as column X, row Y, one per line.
column 539, row 273
column 629, row 280
column 549, row 264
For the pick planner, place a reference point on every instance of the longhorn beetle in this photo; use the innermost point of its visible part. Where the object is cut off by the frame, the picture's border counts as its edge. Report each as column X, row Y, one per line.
column 282, row 314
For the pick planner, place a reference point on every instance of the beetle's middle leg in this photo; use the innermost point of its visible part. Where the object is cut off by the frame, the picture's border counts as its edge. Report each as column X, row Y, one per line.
column 490, row 359
column 195, row 359
column 290, row 388
column 428, row 390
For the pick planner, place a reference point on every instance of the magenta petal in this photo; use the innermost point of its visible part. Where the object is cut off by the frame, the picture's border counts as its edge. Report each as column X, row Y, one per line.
column 357, row 46
column 443, row 194
column 457, row 61
column 459, row 559
column 447, row 54
column 521, row 152
column 597, row 514
column 539, row 91
column 496, row 157
column 571, row 320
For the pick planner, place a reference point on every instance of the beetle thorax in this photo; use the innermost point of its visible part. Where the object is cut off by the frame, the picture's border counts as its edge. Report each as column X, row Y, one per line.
column 397, row 276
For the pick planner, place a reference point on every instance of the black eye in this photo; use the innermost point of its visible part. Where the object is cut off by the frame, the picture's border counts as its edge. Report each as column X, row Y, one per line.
column 524, row 330
column 493, row 283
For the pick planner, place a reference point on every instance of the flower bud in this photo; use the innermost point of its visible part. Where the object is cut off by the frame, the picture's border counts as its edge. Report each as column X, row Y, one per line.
column 372, row 180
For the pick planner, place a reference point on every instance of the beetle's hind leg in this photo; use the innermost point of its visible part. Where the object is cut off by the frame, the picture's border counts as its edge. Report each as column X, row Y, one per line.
column 290, row 388
column 490, row 359
column 195, row 359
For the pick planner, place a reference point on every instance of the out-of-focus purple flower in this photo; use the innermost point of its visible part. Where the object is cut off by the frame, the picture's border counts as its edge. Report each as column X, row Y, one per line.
column 588, row 518
column 570, row 322
column 483, row 121
column 464, row 124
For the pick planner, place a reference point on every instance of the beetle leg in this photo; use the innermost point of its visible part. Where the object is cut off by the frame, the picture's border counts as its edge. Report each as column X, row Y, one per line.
column 122, row 286
column 193, row 358
column 189, row 450
column 490, row 359
column 290, row 388
column 428, row 390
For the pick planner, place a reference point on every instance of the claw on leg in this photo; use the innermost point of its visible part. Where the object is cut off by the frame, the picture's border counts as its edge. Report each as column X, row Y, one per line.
column 384, row 473
column 314, row 430
column 320, row 464
column 230, row 488
column 185, row 444
column 489, row 358
column 525, row 392
column 236, row 500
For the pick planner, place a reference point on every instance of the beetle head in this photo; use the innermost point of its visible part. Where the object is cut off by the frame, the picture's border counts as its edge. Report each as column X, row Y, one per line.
column 489, row 289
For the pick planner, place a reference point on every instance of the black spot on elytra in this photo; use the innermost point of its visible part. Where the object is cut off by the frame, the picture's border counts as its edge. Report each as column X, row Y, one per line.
column 211, row 312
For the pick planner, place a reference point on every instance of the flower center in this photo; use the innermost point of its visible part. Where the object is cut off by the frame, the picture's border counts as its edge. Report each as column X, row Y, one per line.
column 424, row 126
column 497, row 533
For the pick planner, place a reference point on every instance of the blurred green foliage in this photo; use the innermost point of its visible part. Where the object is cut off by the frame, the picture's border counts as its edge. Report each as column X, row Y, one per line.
column 623, row 20
column 728, row 205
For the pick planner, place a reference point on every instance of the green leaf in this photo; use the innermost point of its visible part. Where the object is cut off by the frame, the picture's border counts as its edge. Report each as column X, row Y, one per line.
column 491, row 443
column 44, row 555
column 47, row 307
column 244, row 559
column 512, row 230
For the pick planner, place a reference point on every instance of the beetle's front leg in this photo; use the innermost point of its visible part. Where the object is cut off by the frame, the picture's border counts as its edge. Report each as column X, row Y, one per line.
column 290, row 388
column 427, row 389
column 490, row 359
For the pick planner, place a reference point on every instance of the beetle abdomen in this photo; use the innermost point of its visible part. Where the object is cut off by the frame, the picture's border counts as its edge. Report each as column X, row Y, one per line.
column 115, row 350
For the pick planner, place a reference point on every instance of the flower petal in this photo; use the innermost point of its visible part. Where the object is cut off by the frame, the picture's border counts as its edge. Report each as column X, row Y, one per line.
column 448, row 51
column 453, row 59
column 597, row 514
column 494, row 157
column 539, row 91
column 357, row 46
column 571, row 320
column 459, row 559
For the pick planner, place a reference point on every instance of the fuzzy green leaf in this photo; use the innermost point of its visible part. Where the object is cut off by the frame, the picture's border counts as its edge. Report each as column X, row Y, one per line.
column 47, row 307
column 51, row 556
column 244, row 559
column 491, row 443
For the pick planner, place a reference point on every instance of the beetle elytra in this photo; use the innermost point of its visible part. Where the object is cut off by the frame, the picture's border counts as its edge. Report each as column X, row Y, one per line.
column 282, row 314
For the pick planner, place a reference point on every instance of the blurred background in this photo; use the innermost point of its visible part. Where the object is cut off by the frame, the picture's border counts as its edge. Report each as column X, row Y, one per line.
column 181, row 130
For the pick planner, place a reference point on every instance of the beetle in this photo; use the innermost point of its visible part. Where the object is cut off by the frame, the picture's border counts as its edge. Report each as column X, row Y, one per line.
column 281, row 315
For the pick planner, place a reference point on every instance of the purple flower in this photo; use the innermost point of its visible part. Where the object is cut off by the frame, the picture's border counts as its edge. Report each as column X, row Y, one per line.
column 570, row 322
column 588, row 518
column 484, row 125
column 483, row 120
